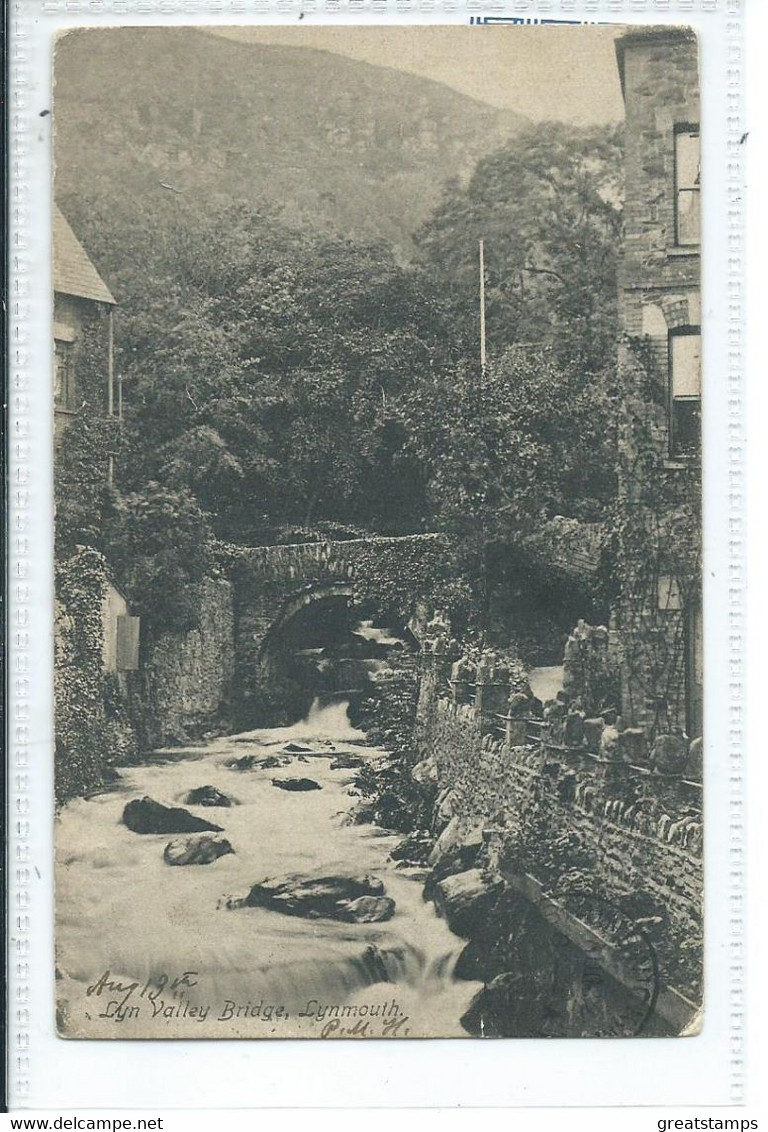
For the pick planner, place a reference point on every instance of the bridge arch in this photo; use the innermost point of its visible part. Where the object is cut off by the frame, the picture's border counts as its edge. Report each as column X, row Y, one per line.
column 274, row 587
column 295, row 604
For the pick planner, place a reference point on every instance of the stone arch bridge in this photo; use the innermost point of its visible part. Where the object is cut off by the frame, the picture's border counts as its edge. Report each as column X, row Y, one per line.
column 193, row 679
column 273, row 585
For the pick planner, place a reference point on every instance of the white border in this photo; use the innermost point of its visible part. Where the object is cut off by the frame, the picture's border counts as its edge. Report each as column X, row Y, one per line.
column 46, row 1072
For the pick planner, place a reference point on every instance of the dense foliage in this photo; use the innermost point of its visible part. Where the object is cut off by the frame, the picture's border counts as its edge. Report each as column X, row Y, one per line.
column 547, row 206
column 92, row 731
column 278, row 383
column 526, row 439
column 159, row 543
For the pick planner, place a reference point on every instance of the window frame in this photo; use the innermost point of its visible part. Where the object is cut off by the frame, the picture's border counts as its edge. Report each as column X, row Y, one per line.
column 694, row 129
column 687, row 331
column 64, row 356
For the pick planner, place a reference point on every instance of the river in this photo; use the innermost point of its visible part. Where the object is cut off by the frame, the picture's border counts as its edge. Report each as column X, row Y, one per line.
column 129, row 926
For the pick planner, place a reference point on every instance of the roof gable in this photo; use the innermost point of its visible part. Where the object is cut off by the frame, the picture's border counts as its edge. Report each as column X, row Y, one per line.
column 73, row 272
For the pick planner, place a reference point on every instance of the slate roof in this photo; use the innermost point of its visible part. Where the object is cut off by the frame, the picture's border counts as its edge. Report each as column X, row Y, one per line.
column 73, row 272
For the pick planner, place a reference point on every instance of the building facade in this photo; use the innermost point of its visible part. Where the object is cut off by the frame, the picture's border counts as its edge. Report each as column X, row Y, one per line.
column 84, row 383
column 82, row 332
column 659, row 611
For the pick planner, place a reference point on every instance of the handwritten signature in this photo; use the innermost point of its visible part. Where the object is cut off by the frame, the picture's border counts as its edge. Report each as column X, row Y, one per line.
column 392, row 1028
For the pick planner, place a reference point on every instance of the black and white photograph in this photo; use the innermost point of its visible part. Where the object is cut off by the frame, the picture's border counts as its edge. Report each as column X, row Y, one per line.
column 378, row 644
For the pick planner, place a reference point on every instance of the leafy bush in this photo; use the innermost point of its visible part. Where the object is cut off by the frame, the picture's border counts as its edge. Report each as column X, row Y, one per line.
column 161, row 544
column 93, row 733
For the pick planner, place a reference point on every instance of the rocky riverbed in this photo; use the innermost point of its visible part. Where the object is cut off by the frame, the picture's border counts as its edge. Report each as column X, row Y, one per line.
column 280, row 918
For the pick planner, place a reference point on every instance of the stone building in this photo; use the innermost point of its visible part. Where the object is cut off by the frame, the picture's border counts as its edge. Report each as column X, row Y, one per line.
column 658, row 616
column 82, row 330
column 84, row 383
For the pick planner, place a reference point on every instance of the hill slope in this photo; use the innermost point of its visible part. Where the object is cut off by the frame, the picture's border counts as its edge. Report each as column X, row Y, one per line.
column 320, row 139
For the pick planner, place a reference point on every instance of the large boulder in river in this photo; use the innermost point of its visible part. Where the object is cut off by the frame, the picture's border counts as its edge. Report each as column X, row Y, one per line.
column 413, row 849
column 361, row 813
column 145, row 815
column 207, row 796
column 466, row 900
column 296, row 784
column 347, row 762
column 510, row 1006
column 367, row 910
column 330, row 897
column 453, row 859
column 456, row 837
column 247, row 762
column 257, row 762
column 196, row 850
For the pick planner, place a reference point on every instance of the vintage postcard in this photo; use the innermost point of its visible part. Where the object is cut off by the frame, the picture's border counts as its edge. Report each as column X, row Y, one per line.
column 378, row 649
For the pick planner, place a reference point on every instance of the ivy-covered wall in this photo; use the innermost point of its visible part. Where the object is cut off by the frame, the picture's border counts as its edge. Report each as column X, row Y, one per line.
column 85, row 324
column 85, row 436
column 94, row 733
column 184, row 685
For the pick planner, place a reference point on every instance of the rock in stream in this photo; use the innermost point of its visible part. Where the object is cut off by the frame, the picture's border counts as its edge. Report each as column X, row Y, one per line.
column 196, row 850
column 145, row 815
column 207, row 796
column 352, row 899
column 296, row 784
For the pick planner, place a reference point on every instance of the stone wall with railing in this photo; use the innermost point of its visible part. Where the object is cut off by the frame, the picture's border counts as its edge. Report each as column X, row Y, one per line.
column 569, row 804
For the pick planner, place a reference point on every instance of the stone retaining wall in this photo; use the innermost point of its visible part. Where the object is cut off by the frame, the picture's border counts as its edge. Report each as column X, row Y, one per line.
column 582, row 821
column 186, row 678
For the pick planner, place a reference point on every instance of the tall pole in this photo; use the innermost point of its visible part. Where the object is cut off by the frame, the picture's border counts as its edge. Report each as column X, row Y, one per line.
column 482, row 309
column 111, row 366
column 111, row 392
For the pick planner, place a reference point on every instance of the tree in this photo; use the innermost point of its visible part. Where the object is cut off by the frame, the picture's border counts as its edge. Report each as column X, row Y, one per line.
column 282, row 378
column 505, row 450
column 159, row 543
column 527, row 439
column 547, row 205
column 267, row 386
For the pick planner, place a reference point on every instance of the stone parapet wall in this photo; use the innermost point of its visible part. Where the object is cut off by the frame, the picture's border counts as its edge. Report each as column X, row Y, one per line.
column 558, row 817
column 490, row 778
column 590, row 671
column 337, row 558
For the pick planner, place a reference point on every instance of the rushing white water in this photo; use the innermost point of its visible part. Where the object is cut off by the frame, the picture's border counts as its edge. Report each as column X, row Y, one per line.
column 327, row 721
column 371, row 632
column 546, row 682
column 122, row 910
